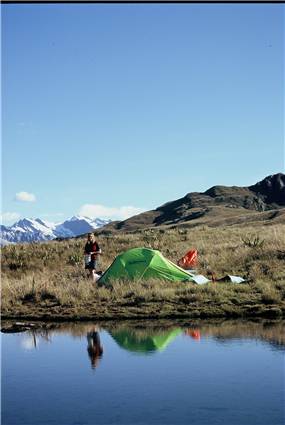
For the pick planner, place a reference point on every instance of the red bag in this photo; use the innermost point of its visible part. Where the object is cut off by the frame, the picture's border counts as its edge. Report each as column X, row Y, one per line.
column 189, row 260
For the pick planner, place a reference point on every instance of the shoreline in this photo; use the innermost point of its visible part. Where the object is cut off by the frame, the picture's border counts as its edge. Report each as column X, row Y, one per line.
column 148, row 311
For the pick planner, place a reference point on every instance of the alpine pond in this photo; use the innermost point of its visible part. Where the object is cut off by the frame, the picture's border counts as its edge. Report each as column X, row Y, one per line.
column 229, row 372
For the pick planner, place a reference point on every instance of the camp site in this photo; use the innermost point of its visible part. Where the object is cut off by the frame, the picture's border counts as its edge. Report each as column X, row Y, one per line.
column 142, row 213
column 234, row 273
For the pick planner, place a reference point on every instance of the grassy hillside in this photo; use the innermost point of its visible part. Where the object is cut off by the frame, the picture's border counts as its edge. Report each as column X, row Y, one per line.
column 217, row 206
column 48, row 280
column 211, row 216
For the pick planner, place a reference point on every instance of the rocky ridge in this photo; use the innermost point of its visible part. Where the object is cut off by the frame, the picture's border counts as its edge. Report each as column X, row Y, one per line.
column 217, row 205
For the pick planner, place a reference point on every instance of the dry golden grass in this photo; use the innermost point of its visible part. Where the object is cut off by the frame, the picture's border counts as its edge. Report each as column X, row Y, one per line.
column 48, row 279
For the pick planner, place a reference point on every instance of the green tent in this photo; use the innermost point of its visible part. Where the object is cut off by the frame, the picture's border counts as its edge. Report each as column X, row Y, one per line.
column 143, row 263
column 146, row 343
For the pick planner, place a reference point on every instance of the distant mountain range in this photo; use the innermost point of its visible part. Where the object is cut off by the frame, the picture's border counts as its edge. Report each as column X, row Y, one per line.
column 219, row 205
column 35, row 230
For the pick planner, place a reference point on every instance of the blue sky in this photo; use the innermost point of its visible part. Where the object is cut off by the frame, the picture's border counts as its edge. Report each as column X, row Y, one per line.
column 110, row 109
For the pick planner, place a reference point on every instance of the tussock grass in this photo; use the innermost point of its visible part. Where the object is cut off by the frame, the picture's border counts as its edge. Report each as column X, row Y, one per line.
column 50, row 277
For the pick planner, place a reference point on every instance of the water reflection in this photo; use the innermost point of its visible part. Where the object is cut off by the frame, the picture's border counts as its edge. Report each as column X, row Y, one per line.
column 144, row 341
column 193, row 333
column 147, row 338
column 94, row 347
column 182, row 372
column 32, row 339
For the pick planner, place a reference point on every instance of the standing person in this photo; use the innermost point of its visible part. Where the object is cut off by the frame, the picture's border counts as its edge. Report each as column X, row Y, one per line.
column 92, row 251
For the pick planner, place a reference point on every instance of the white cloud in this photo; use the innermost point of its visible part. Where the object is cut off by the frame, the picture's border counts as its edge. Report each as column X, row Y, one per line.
column 9, row 217
column 25, row 197
column 120, row 213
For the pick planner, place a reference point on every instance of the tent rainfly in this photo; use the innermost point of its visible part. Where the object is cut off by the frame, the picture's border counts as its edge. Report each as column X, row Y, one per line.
column 144, row 263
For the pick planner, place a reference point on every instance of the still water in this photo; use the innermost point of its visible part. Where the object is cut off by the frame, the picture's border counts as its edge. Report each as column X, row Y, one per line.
column 141, row 373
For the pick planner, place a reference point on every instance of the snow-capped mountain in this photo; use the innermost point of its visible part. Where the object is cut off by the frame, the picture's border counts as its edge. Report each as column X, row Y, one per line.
column 35, row 230
column 78, row 225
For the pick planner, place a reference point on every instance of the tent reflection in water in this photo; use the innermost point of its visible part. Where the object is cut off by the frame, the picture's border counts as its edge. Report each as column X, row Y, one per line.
column 144, row 263
column 144, row 341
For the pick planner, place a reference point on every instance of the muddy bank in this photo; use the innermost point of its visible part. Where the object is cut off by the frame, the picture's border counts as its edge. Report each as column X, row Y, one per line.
column 140, row 309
